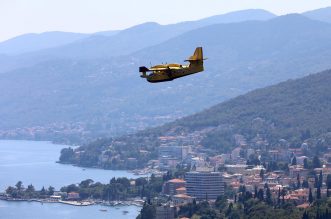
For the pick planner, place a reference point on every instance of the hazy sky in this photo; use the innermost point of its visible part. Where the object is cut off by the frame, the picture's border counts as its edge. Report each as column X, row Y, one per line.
column 26, row 16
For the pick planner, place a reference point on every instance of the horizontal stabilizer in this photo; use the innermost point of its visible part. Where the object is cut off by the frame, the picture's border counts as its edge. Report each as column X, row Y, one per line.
column 143, row 69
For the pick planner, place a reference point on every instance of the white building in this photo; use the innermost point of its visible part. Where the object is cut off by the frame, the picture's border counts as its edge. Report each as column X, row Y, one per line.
column 204, row 185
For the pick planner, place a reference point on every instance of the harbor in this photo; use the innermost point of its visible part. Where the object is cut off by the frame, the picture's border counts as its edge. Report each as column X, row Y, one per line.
column 20, row 160
column 40, row 210
column 88, row 202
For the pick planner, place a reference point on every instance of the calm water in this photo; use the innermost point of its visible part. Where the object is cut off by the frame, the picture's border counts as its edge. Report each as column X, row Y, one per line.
column 34, row 163
column 35, row 210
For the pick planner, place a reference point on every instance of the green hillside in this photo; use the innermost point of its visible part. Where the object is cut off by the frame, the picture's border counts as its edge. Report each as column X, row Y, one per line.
column 287, row 111
column 86, row 99
column 295, row 110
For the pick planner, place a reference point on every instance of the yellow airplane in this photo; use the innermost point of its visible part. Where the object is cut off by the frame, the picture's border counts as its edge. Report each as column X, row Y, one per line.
column 170, row 72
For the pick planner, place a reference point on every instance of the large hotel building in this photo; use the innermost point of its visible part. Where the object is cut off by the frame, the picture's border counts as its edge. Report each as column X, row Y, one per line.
column 204, row 185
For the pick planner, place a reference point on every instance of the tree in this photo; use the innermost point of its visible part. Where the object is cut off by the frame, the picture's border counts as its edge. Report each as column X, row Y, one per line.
column 153, row 178
column 86, row 183
column 142, row 192
column 310, row 198
column 298, row 181
column 316, row 162
column 268, row 196
column 305, row 134
column 266, row 185
column 124, row 181
column 148, row 212
column 328, row 181
column 229, row 210
column 141, row 181
column 283, row 195
column 305, row 184
column 194, row 205
column 19, row 186
column 43, row 191
column 278, row 199
column 10, row 190
column 320, row 179
column 262, row 174
column 30, row 188
column 316, row 182
column 248, row 195
column 305, row 215
column 30, row 191
column 260, row 194
column 51, row 190
column 255, row 191
column 305, row 163
column 318, row 193
column 221, row 202
column 67, row 155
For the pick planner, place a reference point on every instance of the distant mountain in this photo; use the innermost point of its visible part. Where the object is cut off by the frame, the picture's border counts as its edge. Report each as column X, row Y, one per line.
column 107, row 32
column 239, row 16
column 107, row 96
column 290, row 113
column 323, row 14
column 250, row 54
column 111, row 44
column 32, row 42
column 149, row 34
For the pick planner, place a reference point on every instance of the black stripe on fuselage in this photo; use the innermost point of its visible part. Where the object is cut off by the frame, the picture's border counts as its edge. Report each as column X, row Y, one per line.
column 170, row 79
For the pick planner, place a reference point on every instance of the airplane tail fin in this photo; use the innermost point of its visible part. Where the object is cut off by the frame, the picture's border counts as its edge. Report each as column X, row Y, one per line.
column 196, row 60
column 197, row 56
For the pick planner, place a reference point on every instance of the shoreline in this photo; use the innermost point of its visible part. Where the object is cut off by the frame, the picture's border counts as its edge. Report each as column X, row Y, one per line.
column 144, row 172
column 137, row 203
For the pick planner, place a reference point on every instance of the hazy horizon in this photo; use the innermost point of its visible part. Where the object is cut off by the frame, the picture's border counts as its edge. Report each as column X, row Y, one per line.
column 37, row 16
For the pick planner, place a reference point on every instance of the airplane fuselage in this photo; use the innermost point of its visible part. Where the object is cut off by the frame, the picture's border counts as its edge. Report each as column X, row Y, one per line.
column 169, row 72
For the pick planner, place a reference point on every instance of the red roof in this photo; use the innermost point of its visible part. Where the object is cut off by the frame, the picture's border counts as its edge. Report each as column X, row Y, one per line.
column 176, row 181
column 181, row 189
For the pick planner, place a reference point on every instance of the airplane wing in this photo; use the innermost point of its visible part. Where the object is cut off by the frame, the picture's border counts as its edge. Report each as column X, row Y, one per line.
column 158, row 69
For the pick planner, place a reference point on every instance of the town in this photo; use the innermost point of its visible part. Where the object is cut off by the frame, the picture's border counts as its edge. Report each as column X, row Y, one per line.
column 190, row 173
column 277, row 174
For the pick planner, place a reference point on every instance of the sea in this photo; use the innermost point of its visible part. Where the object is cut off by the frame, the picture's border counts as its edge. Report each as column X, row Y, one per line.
column 34, row 162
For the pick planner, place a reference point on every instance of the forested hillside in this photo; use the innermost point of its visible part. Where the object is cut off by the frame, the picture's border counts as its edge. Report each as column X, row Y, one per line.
column 80, row 100
column 294, row 111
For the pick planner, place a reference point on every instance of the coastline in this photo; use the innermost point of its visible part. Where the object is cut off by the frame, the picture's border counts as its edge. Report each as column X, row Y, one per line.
column 137, row 202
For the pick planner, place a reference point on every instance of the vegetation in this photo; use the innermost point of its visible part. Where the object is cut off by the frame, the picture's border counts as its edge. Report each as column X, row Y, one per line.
column 79, row 100
column 20, row 192
column 255, row 206
column 296, row 112
column 117, row 189
column 147, row 212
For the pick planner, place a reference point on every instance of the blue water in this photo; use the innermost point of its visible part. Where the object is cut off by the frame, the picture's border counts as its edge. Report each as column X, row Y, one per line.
column 34, row 163
column 35, row 210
